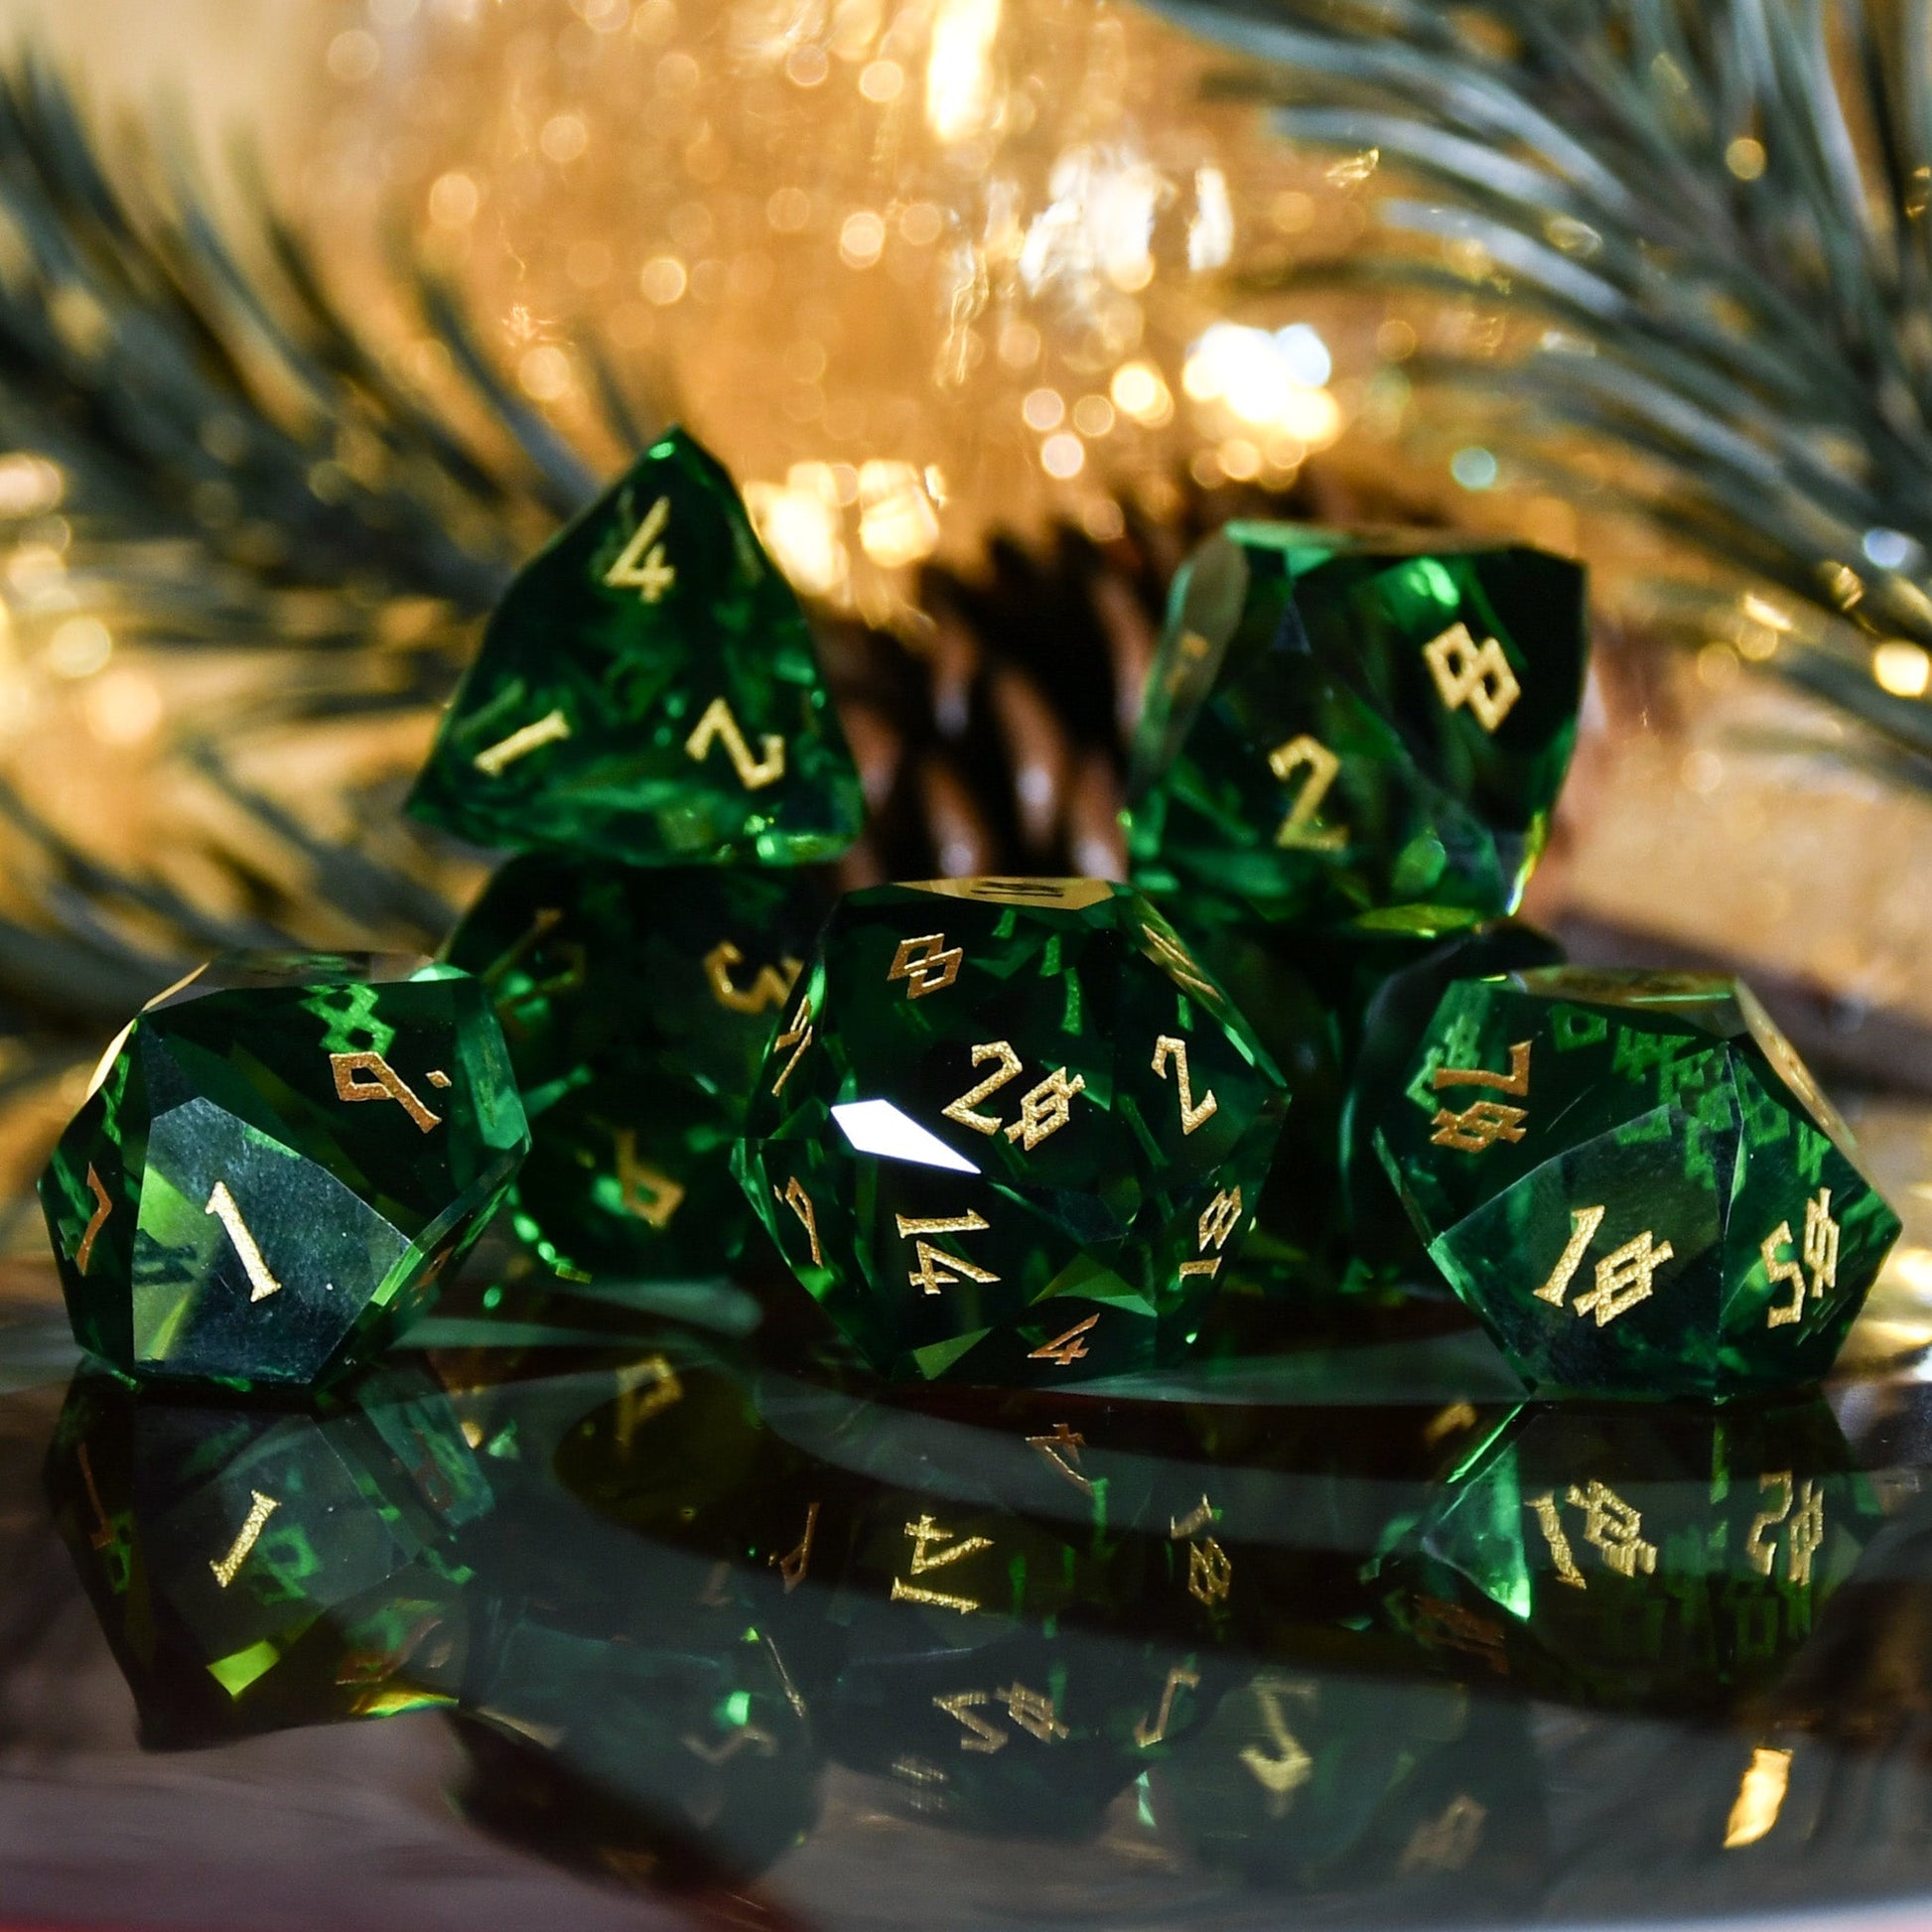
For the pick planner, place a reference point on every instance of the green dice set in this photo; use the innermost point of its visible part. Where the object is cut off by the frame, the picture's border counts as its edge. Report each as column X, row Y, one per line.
column 1000, row 1131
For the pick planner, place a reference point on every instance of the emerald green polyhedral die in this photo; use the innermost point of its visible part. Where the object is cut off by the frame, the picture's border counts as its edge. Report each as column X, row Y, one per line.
column 1356, row 728
column 280, row 1156
column 637, row 1003
column 1009, row 1129
column 647, row 690
column 1633, row 1183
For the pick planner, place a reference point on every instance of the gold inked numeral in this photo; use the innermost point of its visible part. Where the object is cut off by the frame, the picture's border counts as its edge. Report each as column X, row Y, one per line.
column 260, row 1509
column 930, row 1274
column 1204, row 1516
column 222, row 1204
column 1218, row 1219
column 1033, row 1710
column 1479, row 1127
column 1472, row 674
column 1805, row 1523
column 1299, row 831
column 1182, row 1677
column 980, row 1734
column 1821, row 1243
column 1069, row 1349
column 1818, row 1252
column 1807, row 1533
column 646, row 1191
column 1561, row 1553
column 1623, row 1277
column 1613, row 1527
column 1211, row 1575
column 793, row 1566
column 641, row 564
column 1043, row 1110
column 800, row 1203
column 771, row 985
column 1516, row 1082
column 1776, row 1271
column 1063, row 1449
column 386, row 1083
column 716, row 726
column 926, row 1535
column 1008, row 1069
column 1193, row 1113
column 798, row 1036
column 644, row 1389
column 1284, row 1771
column 104, row 1206
column 1485, row 1122
column 1583, row 1223
column 550, row 729
column 1759, row 1552
column 1046, row 1108
column 939, row 1599
column 926, row 964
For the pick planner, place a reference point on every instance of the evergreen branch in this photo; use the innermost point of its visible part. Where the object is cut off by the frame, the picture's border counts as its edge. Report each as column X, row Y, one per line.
column 242, row 483
column 1717, row 211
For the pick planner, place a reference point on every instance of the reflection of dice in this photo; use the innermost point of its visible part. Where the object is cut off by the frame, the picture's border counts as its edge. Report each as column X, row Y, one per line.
column 1303, row 1779
column 1338, row 727
column 1009, row 1129
column 1634, row 1183
column 638, row 1005
column 1661, row 1558
column 641, row 1754
column 1024, row 1729
column 634, row 1707
column 280, row 1156
column 260, row 1568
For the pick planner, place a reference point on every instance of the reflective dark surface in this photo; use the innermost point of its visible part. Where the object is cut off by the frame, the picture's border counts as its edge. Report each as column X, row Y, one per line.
column 571, row 1615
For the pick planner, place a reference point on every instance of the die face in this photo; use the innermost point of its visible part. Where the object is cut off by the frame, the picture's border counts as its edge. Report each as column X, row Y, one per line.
column 638, row 1005
column 1626, row 1179
column 1350, row 730
column 1391, row 988
column 254, row 1568
column 1672, row 1560
column 648, row 690
column 281, row 1157
column 1009, row 1129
